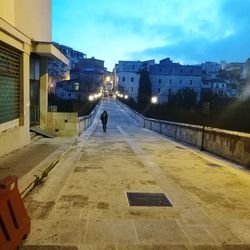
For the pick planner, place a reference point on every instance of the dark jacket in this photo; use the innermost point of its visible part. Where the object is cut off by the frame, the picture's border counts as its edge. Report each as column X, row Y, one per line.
column 104, row 117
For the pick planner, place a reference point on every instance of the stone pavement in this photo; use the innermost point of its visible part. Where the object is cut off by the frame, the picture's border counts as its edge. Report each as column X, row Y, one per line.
column 30, row 162
column 83, row 202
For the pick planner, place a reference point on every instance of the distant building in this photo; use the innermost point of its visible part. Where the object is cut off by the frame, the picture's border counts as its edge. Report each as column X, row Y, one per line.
column 128, row 76
column 89, row 73
column 245, row 80
column 210, row 70
column 168, row 77
column 59, row 71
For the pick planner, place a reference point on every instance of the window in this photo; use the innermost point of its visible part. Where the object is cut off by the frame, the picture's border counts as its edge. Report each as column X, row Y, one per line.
column 123, row 79
column 132, row 79
column 159, row 90
column 10, row 91
column 131, row 90
column 170, row 81
column 180, row 81
column 34, row 68
column 191, row 71
column 191, row 82
column 159, row 81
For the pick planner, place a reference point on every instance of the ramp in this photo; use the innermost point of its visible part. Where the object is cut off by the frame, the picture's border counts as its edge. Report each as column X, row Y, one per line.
column 40, row 132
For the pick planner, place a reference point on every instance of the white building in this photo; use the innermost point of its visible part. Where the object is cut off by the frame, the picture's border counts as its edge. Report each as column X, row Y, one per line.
column 168, row 77
column 210, row 70
column 128, row 76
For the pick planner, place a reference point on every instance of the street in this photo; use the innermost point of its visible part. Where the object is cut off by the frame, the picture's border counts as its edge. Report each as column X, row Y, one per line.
column 82, row 204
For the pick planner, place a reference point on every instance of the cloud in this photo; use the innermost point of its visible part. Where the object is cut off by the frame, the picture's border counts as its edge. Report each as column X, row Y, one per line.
column 185, row 30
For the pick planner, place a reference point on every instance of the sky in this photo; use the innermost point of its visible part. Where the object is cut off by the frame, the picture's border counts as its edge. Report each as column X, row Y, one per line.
column 187, row 31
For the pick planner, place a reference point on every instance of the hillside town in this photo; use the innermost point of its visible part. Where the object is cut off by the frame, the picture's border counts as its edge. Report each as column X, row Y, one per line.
column 225, row 79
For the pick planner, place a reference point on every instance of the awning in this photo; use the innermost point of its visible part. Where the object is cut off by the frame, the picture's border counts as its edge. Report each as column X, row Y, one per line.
column 49, row 50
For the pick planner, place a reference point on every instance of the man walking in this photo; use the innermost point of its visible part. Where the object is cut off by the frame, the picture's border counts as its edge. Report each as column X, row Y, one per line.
column 104, row 119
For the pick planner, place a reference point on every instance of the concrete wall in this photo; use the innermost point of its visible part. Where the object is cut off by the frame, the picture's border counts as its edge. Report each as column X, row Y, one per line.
column 69, row 124
column 234, row 146
column 63, row 124
column 7, row 11
column 33, row 18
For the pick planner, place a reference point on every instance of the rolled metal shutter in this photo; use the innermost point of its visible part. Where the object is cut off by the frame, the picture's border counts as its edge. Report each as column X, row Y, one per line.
column 9, row 84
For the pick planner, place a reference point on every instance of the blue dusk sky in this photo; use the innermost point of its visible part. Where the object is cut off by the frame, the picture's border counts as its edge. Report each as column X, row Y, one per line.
column 187, row 31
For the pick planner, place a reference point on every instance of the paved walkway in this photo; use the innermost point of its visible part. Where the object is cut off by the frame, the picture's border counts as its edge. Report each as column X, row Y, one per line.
column 83, row 203
column 29, row 162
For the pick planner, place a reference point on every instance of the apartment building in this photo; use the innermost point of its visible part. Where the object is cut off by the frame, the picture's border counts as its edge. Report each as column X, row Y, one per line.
column 128, row 76
column 25, row 48
column 59, row 71
column 168, row 77
column 88, row 73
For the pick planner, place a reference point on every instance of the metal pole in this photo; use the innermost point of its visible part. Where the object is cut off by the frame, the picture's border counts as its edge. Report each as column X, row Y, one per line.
column 203, row 134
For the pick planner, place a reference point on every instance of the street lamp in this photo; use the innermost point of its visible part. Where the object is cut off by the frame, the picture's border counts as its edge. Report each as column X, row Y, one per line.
column 154, row 99
column 76, row 86
column 91, row 98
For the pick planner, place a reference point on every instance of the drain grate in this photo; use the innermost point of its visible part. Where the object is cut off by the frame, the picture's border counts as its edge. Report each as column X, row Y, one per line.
column 212, row 165
column 148, row 199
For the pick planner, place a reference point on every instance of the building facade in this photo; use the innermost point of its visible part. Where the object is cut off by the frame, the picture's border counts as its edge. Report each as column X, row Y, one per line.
column 128, row 76
column 89, row 73
column 25, row 48
column 59, row 71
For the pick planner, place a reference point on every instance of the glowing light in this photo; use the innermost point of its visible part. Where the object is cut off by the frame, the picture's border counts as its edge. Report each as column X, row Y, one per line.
column 154, row 99
column 91, row 98
column 126, row 96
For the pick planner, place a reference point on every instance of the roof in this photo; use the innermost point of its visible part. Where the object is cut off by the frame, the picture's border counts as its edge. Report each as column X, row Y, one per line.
column 47, row 49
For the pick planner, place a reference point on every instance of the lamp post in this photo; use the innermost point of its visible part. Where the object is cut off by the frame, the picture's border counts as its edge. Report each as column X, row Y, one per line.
column 76, row 87
column 154, row 100
column 205, row 113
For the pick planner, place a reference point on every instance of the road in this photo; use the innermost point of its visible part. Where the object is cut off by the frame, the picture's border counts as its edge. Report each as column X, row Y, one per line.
column 83, row 203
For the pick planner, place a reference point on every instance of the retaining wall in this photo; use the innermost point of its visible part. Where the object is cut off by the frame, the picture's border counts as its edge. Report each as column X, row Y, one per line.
column 231, row 145
column 69, row 124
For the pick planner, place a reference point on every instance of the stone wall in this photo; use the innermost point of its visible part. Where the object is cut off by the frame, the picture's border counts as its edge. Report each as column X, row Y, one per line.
column 63, row 124
column 232, row 145
column 69, row 124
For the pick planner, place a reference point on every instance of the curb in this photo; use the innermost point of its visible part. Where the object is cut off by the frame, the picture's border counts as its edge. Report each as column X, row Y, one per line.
column 39, row 172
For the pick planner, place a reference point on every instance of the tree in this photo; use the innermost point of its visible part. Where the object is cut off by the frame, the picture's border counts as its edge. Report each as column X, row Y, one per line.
column 144, row 91
column 184, row 98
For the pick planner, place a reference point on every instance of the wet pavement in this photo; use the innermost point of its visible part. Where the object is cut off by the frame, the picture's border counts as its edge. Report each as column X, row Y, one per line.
column 82, row 203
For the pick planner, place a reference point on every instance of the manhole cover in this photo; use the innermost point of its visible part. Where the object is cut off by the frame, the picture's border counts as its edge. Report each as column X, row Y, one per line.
column 148, row 199
column 212, row 165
